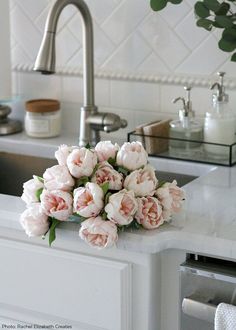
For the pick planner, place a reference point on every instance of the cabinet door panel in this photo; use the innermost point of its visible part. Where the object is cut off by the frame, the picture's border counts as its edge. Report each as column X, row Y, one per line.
column 84, row 289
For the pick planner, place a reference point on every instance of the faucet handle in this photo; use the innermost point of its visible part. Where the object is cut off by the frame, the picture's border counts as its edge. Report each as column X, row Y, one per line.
column 112, row 128
column 107, row 122
column 113, row 122
column 123, row 123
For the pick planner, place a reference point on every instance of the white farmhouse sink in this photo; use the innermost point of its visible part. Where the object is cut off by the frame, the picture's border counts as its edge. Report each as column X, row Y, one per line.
column 15, row 169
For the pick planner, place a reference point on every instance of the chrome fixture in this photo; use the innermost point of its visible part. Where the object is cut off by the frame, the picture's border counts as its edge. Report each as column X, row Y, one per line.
column 91, row 121
column 8, row 126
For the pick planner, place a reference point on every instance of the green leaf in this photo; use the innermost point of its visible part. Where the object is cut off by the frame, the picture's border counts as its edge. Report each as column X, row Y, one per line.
column 82, row 181
column 224, row 21
column 52, row 230
column 215, row 24
column 76, row 218
column 175, row 2
column 107, row 198
column 205, row 23
column 40, row 179
column 233, row 57
column 137, row 225
column 38, row 193
column 123, row 170
column 95, row 170
column 213, row 5
column 111, row 161
column 160, row 184
column 88, row 146
column 133, row 225
column 201, row 10
column 227, row 46
column 223, row 10
column 157, row 5
column 104, row 216
column 229, row 34
column 105, row 187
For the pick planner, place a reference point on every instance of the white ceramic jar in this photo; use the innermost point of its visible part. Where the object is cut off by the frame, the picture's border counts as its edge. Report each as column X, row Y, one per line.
column 43, row 118
column 219, row 128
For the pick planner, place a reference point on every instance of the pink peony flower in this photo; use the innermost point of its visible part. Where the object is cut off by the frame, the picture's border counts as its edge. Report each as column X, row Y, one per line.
column 106, row 173
column 98, row 233
column 177, row 194
column 63, row 152
column 34, row 221
column 171, row 198
column 106, row 150
column 57, row 204
column 30, row 189
column 81, row 162
column 132, row 156
column 88, row 200
column 121, row 207
column 143, row 182
column 165, row 199
column 149, row 213
column 58, row 178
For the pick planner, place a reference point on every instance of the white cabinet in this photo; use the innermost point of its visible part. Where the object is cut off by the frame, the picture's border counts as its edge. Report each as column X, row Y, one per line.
column 52, row 286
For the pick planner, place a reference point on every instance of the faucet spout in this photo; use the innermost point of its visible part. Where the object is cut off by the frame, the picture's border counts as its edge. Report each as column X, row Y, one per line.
column 46, row 59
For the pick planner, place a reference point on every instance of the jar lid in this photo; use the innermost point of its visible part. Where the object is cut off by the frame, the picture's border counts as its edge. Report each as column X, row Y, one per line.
column 42, row 105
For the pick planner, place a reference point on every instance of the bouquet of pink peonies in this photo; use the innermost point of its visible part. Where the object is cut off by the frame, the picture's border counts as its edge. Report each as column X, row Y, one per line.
column 105, row 189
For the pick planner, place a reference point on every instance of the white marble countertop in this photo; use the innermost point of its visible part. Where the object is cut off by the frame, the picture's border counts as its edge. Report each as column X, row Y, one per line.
column 207, row 225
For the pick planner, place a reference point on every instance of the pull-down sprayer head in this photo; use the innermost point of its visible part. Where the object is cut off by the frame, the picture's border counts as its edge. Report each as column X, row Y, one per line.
column 46, row 58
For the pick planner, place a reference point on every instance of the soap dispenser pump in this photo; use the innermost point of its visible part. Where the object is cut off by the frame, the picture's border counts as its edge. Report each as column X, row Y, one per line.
column 219, row 125
column 186, row 127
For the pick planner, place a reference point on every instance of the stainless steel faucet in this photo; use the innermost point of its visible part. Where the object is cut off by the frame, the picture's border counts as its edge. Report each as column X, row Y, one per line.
column 91, row 121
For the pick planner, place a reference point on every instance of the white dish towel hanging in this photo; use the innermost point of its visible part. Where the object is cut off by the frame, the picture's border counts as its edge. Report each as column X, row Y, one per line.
column 225, row 317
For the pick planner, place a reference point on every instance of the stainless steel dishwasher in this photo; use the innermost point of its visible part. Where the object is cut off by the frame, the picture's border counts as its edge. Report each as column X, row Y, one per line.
column 205, row 282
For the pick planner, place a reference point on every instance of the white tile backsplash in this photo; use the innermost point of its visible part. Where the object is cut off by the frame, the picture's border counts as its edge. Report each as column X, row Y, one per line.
column 102, row 9
column 171, row 36
column 67, row 49
column 153, row 65
column 135, row 95
column 128, row 37
column 186, row 34
column 36, row 85
column 131, row 52
column 32, row 11
column 125, row 19
column 174, row 15
column 28, row 36
column 163, row 41
column 72, row 91
column 206, row 59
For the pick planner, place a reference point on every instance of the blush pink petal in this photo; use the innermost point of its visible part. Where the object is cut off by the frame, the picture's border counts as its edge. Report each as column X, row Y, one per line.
column 149, row 213
column 88, row 200
column 98, row 232
column 57, row 204
column 121, row 207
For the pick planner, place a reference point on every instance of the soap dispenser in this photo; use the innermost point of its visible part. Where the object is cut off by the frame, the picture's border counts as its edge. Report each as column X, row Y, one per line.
column 186, row 127
column 219, row 125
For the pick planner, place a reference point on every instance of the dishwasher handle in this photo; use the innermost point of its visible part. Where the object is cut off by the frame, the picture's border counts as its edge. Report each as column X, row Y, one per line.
column 198, row 309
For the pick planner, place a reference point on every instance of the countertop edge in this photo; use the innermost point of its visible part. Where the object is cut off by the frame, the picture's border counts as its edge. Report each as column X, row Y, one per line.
column 68, row 239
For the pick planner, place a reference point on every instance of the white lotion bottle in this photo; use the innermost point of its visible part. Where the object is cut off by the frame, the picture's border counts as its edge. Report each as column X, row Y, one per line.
column 219, row 125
